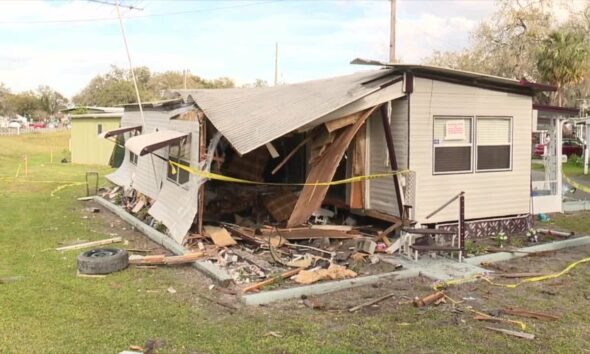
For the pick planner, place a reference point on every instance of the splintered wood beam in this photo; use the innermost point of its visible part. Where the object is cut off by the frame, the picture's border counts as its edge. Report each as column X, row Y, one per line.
column 291, row 154
column 323, row 170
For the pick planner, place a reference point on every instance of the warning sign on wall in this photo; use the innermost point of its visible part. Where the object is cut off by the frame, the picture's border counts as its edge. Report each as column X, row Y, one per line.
column 455, row 130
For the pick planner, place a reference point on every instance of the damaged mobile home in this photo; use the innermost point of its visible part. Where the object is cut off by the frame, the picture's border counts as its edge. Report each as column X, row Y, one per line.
column 440, row 131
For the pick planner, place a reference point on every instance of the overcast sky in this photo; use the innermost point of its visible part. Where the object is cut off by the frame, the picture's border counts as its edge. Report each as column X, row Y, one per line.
column 221, row 38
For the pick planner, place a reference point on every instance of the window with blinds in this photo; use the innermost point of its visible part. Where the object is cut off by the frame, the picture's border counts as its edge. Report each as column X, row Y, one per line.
column 494, row 144
column 453, row 145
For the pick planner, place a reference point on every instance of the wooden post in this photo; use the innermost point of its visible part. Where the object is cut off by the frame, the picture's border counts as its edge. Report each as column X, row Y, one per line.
column 461, row 225
column 392, row 159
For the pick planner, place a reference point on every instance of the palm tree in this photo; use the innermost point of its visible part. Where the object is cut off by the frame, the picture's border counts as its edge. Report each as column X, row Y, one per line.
column 562, row 60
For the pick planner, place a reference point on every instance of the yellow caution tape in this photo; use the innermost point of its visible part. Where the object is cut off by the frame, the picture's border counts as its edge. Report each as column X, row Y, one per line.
column 442, row 285
column 219, row 177
column 540, row 278
column 576, row 185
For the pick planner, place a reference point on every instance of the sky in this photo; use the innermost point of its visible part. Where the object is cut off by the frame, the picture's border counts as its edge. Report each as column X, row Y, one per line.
column 64, row 44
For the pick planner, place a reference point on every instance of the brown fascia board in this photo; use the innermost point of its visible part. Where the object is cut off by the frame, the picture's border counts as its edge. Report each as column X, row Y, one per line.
column 556, row 109
column 480, row 82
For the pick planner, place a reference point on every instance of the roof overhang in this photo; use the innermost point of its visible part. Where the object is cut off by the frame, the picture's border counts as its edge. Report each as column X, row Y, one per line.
column 556, row 109
column 463, row 77
column 119, row 131
column 147, row 143
column 251, row 117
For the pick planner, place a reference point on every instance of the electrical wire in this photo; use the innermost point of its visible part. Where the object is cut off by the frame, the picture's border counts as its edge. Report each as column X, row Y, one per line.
column 103, row 19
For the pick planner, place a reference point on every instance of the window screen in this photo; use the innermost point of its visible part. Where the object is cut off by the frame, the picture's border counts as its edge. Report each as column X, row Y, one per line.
column 452, row 140
column 494, row 143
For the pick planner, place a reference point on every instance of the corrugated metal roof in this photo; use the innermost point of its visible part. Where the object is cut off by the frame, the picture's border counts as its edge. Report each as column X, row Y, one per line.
column 252, row 117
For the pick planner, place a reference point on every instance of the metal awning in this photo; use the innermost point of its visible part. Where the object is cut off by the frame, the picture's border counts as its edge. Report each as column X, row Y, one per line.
column 144, row 144
column 118, row 131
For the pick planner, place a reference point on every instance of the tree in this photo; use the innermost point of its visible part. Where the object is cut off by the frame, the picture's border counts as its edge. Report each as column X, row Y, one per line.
column 116, row 87
column 51, row 101
column 26, row 104
column 562, row 60
column 5, row 94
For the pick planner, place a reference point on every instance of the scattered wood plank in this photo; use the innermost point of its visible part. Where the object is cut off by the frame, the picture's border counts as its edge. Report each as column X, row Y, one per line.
column 521, row 275
column 266, row 282
column 429, row 299
column 305, row 233
column 370, row 303
column 344, row 228
column 219, row 235
column 82, row 275
column 272, row 150
column 513, row 333
column 530, row 314
column 161, row 259
column 85, row 199
column 90, row 244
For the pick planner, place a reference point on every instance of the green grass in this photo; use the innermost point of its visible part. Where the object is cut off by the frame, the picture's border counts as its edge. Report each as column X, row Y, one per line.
column 51, row 310
column 537, row 166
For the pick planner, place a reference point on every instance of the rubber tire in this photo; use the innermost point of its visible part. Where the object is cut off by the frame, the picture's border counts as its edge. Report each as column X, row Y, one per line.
column 103, row 261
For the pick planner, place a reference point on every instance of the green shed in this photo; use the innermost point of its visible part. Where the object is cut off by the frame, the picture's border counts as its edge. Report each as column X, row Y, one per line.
column 86, row 145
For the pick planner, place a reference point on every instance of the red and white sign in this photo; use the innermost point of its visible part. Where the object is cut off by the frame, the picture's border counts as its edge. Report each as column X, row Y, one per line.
column 455, row 130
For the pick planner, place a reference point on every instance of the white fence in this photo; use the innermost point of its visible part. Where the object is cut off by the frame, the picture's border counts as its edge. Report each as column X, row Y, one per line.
column 29, row 130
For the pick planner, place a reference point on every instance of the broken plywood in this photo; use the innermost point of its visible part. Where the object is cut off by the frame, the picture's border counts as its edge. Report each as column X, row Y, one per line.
column 312, row 196
column 219, row 236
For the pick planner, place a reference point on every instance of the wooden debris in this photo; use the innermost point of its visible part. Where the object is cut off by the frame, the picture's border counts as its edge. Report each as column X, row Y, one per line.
column 343, row 228
column 291, row 154
column 530, row 314
column 521, row 275
column 266, row 282
column 272, row 150
column 273, row 334
column 370, row 303
column 341, row 122
column 220, row 303
column 260, row 263
column 220, row 236
column 513, row 333
column 5, row 280
column 429, row 299
column 163, row 260
column 81, row 275
column 85, row 199
column 306, row 233
column 312, row 196
column 333, row 272
column 138, row 206
column 90, row 244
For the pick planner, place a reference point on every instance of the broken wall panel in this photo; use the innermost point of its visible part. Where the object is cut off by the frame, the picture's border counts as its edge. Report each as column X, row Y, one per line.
column 323, row 170
column 122, row 175
column 177, row 205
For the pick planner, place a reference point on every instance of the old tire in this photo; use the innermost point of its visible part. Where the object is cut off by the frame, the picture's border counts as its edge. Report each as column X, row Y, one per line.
column 103, row 261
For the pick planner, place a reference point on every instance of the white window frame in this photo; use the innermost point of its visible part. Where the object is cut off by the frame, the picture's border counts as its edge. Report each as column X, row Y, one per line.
column 133, row 158
column 471, row 144
column 511, row 119
column 185, row 160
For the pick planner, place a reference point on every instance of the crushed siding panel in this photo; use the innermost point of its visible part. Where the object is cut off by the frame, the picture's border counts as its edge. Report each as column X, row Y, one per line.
column 488, row 194
column 382, row 191
column 267, row 113
column 177, row 206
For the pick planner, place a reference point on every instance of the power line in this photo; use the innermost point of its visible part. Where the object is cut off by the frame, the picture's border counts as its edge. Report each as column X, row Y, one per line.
column 130, row 7
column 103, row 19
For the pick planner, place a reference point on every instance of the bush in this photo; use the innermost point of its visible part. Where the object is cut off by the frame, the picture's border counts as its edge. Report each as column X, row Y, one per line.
column 575, row 160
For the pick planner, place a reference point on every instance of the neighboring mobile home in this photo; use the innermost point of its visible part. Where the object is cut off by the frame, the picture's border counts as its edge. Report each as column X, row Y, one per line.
column 447, row 131
column 86, row 145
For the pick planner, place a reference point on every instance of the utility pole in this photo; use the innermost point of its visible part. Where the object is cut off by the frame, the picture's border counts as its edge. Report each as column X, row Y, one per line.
column 392, row 31
column 276, row 63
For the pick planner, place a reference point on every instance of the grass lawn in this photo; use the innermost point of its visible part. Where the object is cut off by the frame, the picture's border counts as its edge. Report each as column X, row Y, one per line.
column 51, row 310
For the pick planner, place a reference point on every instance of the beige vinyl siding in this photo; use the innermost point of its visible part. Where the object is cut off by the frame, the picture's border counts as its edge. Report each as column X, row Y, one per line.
column 488, row 194
column 381, row 191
